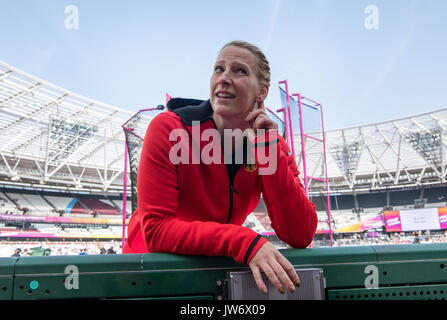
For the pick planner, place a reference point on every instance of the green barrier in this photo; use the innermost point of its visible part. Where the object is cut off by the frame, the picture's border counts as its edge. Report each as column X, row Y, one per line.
column 414, row 271
column 7, row 277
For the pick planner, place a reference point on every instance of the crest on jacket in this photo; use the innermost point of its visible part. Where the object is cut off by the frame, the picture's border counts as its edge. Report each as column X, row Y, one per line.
column 250, row 167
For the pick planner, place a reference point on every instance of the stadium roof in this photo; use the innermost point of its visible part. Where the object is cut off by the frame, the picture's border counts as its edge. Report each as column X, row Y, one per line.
column 404, row 152
column 52, row 137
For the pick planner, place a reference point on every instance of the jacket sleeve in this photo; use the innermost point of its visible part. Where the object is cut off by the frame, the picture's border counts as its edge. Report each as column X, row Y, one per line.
column 293, row 215
column 158, row 205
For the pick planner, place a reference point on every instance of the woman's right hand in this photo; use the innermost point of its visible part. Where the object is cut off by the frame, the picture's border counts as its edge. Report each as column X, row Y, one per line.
column 277, row 268
column 258, row 119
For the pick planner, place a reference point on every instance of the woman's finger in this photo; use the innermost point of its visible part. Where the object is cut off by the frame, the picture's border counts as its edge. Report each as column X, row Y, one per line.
column 271, row 275
column 258, row 279
column 282, row 275
column 253, row 114
column 260, row 119
column 264, row 122
column 289, row 269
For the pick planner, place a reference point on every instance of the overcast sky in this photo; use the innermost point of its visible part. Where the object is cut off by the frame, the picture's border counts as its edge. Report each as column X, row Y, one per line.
column 365, row 61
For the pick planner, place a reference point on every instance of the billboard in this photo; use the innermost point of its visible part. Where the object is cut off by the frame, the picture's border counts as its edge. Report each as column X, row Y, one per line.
column 416, row 219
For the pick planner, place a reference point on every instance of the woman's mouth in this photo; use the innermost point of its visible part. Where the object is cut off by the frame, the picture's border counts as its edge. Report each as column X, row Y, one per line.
column 225, row 95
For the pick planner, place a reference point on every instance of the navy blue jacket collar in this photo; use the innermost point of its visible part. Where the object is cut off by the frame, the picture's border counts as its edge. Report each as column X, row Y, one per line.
column 190, row 110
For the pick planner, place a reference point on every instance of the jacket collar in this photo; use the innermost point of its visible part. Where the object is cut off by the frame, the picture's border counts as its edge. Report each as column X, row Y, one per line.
column 190, row 110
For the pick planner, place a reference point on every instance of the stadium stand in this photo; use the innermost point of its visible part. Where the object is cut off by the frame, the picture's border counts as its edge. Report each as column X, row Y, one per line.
column 6, row 205
column 76, row 206
column 98, row 206
column 62, row 158
column 58, row 203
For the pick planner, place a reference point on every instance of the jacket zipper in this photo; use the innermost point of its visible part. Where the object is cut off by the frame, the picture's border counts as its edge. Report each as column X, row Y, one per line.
column 231, row 205
column 231, row 181
column 232, row 189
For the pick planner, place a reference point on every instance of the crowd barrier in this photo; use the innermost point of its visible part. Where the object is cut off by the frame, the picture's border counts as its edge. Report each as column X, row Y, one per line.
column 413, row 271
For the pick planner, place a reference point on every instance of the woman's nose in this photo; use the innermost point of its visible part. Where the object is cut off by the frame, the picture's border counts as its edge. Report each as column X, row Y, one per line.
column 225, row 78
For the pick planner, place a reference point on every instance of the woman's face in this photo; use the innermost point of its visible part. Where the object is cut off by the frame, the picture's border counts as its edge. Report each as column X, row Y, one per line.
column 234, row 85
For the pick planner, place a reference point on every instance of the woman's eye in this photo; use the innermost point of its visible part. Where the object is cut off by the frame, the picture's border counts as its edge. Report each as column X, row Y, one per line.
column 240, row 70
column 218, row 69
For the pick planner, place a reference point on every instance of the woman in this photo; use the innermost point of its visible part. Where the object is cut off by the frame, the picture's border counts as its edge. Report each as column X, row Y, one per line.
column 190, row 205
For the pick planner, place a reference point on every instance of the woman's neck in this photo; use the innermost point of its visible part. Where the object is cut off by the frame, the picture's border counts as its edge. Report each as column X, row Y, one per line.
column 232, row 125
column 229, row 123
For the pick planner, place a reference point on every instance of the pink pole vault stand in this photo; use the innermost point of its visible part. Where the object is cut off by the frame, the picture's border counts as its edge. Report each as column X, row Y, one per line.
column 283, row 110
column 288, row 119
column 316, row 105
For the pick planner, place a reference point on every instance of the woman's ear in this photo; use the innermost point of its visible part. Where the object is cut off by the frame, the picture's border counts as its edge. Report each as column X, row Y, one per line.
column 263, row 92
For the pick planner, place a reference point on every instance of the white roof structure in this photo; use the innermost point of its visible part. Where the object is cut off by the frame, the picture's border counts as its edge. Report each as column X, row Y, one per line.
column 406, row 152
column 53, row 137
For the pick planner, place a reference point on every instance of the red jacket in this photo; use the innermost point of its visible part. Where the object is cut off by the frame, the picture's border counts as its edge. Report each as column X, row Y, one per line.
column 199, row 209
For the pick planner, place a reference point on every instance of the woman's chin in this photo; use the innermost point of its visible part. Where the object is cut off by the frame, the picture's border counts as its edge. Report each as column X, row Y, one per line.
column 223, row 108
column 228, row 113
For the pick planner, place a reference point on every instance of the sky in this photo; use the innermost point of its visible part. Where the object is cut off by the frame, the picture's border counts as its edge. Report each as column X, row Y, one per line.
column 364, row 61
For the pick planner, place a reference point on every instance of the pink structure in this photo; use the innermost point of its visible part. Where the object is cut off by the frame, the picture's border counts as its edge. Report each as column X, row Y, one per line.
column 288, row 118
column 306, row 102
column 303, row 101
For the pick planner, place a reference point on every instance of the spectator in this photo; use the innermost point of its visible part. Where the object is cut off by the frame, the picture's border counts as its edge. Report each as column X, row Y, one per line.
column 16, row 253
column 111, row 251
column 416, row 237
column 102, row 250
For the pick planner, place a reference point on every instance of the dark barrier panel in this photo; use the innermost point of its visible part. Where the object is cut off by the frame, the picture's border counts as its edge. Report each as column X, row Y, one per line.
column 415, row 271
column 6, row 277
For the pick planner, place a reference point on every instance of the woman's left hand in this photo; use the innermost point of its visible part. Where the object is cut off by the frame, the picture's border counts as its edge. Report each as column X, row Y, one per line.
column 276, row 267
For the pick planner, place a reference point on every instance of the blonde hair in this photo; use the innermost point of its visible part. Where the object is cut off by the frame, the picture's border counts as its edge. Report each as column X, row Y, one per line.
column 263, row 72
